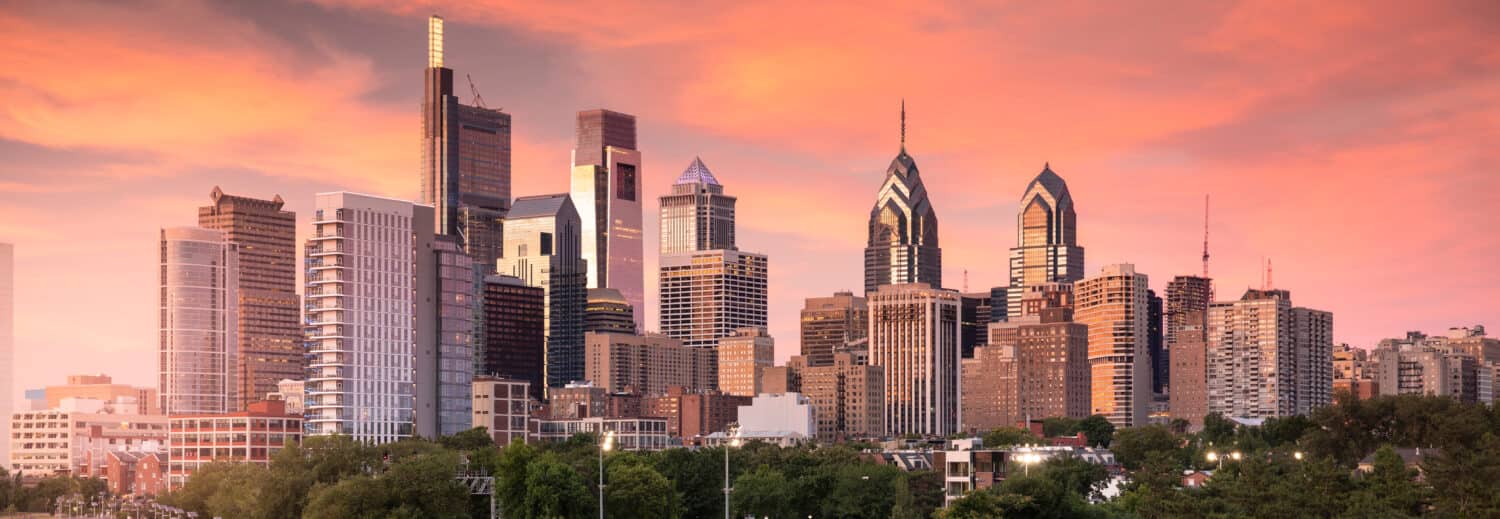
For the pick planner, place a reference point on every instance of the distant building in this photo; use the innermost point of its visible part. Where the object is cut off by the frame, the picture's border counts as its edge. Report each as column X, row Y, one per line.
column 742, row 358
column 293, row 393
column 848, row 397
column 692, row 415
column 627, row 434
column 199, row 361
column 1267, row 359
column 1414, row 369
column 648, row 364
column 66, row 442
column 151, row 475
column 1035, row 365
column 786, row 378
column 606, row 189
column 515, row 337
column 968, row 466
column 914, row 331
column 770, row 415
column 903, row 232
column 1190, row 369
column 101, row 387
column 1184, row 296
column 1354, row 373
column 503, row 407
column 696, row 215
column 1159, row 363
column 585, row 400
column 542, row 248
column 707, row 295
column 829, row 323
column 974, row 317
column 123, row 475
column 1046, row 238
column 1113, row 306
column 608, row 312
column 444, row 363
column 250, row 436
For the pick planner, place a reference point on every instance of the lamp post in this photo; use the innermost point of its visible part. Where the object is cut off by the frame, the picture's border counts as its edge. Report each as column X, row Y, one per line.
column 731, row 439
column 1028, row 459
column 1297, row 455
column 606, row 442
column 1235, row 455
column 1214, row 457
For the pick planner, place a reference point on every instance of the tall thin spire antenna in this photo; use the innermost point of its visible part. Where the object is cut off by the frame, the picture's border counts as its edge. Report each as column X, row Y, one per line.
column 1205, row 236
column 1269, row 282
column 903, row 124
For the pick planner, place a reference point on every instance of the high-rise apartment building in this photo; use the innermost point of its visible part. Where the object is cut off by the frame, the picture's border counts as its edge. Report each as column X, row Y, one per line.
column 606, row 188
column 1159, row 366
column 1266, row 358
column 607, row 311
column 903, row 233
column 366, row 257
column 1312, row 340
column 7, row 345
column 648, row 364
column 466, row 155
column 913, row 338
column 743, row 357
column 515, row 333
column 831, row 323
column 1188, row 398
column 542, row 247
column 1112, row 305
column 1035, row 365
column 269, row 311
column 444, row 364
column 707, row 295
column 199, row 359
column 1046, row 238
column 1185, row 295
column 848, row 397
column 697, row 215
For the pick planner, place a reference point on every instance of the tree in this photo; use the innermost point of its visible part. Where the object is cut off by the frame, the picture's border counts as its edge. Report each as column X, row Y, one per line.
column 763, row 492
column 1059, row 426
column 977, row 504
column 697, row 477
column 1389, row 490
column 635, row 490
column 1132, row 445
column 1217, row 430
column 1465, row 479
column 1075, row 475
column 1007, row 436
column 1098, row 430
column 554, row 489
column 468, row 440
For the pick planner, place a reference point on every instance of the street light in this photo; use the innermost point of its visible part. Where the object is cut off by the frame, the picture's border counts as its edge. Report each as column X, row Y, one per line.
column 1236, row 455
column 606, row 442
column 731, row 439
column 1214, row 457
column 1028, row 459
column 1297, row 455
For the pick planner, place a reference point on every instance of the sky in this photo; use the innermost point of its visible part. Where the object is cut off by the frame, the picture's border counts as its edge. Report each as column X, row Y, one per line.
column 1354, row 144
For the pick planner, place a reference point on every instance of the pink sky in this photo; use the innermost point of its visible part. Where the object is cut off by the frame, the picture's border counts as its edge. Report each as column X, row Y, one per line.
column 1353, row 143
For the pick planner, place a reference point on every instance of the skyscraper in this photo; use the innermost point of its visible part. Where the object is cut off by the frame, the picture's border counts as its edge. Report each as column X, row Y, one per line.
column 1185, row 295
column 444, row 363
column 707, row 295
column 831, row 323
column 697, row 215
column 975, row 316
column 606, row 189
column 1113, row 306
column 199, row 344
column 1046, row 238
column 7, row 345
column 903, row 233
column 1189, row 356
column 1159, row 366
column 366, row 257
column 515, row 331
column 542, row 246
column 914, row 331
column 608, row 312
column 465, row 159
column 268, row 308
column 1312, row 338
column 1266, row 358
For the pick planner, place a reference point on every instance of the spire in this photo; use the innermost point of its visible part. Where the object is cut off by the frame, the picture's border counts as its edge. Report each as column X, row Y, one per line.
column 435, row 42
column 903, row 125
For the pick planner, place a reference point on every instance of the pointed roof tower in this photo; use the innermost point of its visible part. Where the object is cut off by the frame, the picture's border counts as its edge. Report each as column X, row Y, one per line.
column 697, row 173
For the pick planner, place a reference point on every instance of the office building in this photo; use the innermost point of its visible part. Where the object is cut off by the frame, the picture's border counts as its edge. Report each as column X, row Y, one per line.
column 831, row 323
column 1266, row 358
column 1188, row 398
column 444, row 364
column 692, row 415
column 1035, row 365
column 847, row 395
column 502, row 406
column 366, row 257
column 626, row 434
column 606, row 188
column 1112, row 305
column 101, row 387
column 1046, row 238
column 697, row 215
column 707, row 295
column 1184, row 296
column 913, row 337
column 542, row 248
column 199, row 361
column 269, row 314
column 743, row 357
column 250, row 436
column 648, row 364
column 608, row 312
column 903, row 233
column 515, row 335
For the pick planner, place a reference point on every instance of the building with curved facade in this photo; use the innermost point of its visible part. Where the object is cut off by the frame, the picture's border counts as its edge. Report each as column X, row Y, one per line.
column 199, row 315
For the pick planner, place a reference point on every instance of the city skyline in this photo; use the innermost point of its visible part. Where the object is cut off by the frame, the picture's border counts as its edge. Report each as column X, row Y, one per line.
column 1271, row 164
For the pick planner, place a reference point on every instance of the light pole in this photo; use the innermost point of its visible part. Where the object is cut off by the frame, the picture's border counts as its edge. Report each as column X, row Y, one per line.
column 1214, row 457
column 731, row 439
column 1297, row 455
column 1028, row 459
column 606, row 442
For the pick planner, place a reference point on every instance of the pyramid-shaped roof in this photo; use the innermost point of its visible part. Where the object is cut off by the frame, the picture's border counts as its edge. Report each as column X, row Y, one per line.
column 697, row 173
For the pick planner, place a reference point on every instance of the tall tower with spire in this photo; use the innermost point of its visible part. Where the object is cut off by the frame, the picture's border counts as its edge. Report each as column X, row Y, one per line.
column 1046, row 248
column 903, row 233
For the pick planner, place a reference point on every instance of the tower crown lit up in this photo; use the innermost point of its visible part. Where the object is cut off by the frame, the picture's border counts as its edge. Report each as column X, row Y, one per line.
column 903, row 233
column 1047, row 248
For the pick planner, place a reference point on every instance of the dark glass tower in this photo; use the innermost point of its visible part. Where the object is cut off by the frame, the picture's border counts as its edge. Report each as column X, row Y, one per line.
column 903, row 239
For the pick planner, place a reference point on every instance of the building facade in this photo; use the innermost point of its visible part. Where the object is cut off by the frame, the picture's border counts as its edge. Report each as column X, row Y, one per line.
column 607, row 311
column 542, row 248
column 848, row 397
column 1184, row 296
column 1046, row 238
column 1112, row 305
column 1154, row 347
column 1267, row 358
column 68, row 442
column 974, row 321
column 515, row 331
column 1188, row 398
column 444, row 363
column 707, row 295
column 913, row 338
column 903, row 232
column 199, row 361
column 101, row 387
column 250, row 436
column 832, row 323
column 606, row 188
column 626, row 434
column 1035, row 366
column 692, row 415
column 502, row 406
column 743, row 357
column 697, row 215
column 648, row 364
column 1312, row 340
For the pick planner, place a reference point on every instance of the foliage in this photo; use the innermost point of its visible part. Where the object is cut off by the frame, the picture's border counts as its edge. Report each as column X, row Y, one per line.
column 1133, row 445
column 1008, row 436
column 1098, row 430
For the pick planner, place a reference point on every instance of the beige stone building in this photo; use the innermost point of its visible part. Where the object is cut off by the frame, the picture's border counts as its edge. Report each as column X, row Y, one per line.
column 913, row 338
column 742, row 358
column 1113, row 306
column 847, row 397
column 647, row 363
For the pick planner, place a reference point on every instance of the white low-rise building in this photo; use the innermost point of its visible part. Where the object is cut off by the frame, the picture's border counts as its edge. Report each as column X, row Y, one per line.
column 781, row 418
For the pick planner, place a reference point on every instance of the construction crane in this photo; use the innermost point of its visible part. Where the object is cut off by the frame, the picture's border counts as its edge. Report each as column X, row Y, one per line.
column 478, row 99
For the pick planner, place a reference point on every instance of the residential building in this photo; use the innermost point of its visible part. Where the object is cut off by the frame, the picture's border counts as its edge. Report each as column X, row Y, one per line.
column 606, row 188
column 707, row 295
column 444, row 364
column 1036, row 365
column 967, row 466
column 1185, row 295
column 151, row 475
column 268, row 310
column 1312, row 342
column 250, row 436
column 123, row 478
column 607, row 311
column 368, row 259
column 743, row 357
column 502, row 406
column 692, row 415
column 585, row 400
column 913, row 337
column 1266, row 358
column 71, row 442
column 1190, row 368
column 625, row 434
column 786, row 378
column 199, row 360
column 903, row 233
column 101, row 387
column 847, row 395
column 1354, row 372
column 1417, row 369
column 648, row 364
column 542, row 248
column 697, row 215
column 1112, row 305
column 1046, row 238
column 830, row 323
column 515, row 338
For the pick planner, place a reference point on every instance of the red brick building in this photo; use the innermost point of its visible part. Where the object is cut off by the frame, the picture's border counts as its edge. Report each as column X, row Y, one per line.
column 249, row 436
column 691, row 415
column 150, row 476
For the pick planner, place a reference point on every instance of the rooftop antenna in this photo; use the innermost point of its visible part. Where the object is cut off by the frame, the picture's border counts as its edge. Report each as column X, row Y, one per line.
column 1205, row 236
column 1269, row 282
column 1262, row 272
column 903, row 124
column 966, row 280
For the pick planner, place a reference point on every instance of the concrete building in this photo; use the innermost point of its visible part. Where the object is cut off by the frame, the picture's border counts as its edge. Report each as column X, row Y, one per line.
column 848, row 397
column 7, row 345
column 606, row 188
column 627, row 434
column 607, row 311
column 199, row 360
column 913, row 338
column 1354, row 373
column 293, row 393
column 1112, row 305
column 250, row 436
column 648, row 364
column 1189, row 357
column 691, row 415
column 830, row 323
column 585, row 400
column 542, row 247
column 1267, row 359
column 1046, row 238
column 786, row 378
column 515, row 336
column 368, row 317
column 1312, row 341
column 268, row 316
column 967, row 466
column 1035, row 366
column 101, row 387
column 1415, row 369
column 697, row 215
column 743, row 357
column 1185, row 295
column 72, row 442
column 903, row 231
column 770, row 414
column 707, row 295
column 502, row 406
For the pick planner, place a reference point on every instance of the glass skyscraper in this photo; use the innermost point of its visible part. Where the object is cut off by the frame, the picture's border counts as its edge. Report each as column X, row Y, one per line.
column 542, row 248
column 606, row 192
column 903, row 237
column 1046, row 248
column 199, row 348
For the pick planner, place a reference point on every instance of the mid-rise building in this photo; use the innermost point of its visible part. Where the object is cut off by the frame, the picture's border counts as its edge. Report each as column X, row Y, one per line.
column 902, row 245
column 847, row 396
column 647, row 364
column 268, row 310
column 1185, row 295
column 607, row 311
column 1312, row 340
column 707, row 295
column 199, row 360
column 697, row 215
column 1416, row 369
column 606, row 188
column 1036, row 365
column 691, row 415
column 515, row 331
column 830, row 323
column 502, row 406
column 1266, row 358
column 250, row 436
column 1188, row 398
column 584, row 400
column 65, row 441
column 1354, row 372
column 542, row 248
column 625, row 434
column 913, row 338
column 742, row 358
column 101, row 387
column 1112, row 305
column 1046, row 248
